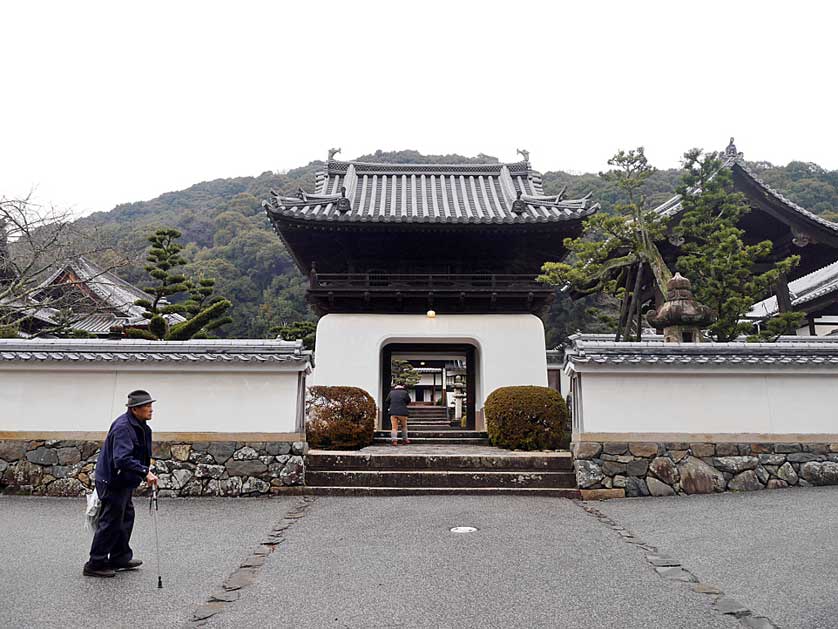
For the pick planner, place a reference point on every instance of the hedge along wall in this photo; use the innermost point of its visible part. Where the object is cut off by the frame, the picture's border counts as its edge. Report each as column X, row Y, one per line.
column 228, row 418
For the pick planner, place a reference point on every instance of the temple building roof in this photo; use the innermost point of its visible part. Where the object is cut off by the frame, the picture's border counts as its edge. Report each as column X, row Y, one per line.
column 428, row 193
column 804, row 292
column 736, row 162
column 114, row 298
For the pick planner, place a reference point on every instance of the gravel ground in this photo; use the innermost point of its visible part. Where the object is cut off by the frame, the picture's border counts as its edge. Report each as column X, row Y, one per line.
column 43, row 548
column 774, row 551
column 392, row 562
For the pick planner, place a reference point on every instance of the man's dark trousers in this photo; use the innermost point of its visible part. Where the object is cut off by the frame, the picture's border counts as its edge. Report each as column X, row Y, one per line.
column 111, row 542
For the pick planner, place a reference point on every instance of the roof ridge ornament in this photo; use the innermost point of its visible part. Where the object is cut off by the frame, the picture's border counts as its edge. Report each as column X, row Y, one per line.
column 731, row 151
column 343, row 204
column 518, row 205
column 524, row 153
column 332, row 153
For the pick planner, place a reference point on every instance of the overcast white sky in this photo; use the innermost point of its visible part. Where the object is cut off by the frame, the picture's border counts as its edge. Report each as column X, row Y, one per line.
column 114, row 102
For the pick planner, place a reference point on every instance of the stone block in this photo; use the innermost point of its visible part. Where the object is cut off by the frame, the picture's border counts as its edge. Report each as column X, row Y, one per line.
column 221, row 450
column 735, row 464
column 776, row 483
column 201, row 457
column 245, row 468
column 68, row 456
column 245, row 454
column 816, row 448
column 66, row 487
column 676, row 445
column 801, row 457
column 299, row 448
column 762, row 474
column 275, row 448
column 762, row 448
column 703, row 449
column 16, row 450
column 745, row 481
column 785, row 448
column 638, row 468
column 665, row 470
column 772, row 459
column 180, row 451
column 619, row 458
column 42, row 456
column 727, row 449
column 588, row 473
column 602, row 494
column 644, row 449
column 699, row 478
column 833, row 447
column 820, row 473
column 636, row 487
column 618, row 482
column 657, row 488
column 161, row 450
column 611, row 468
column 678, row 455
column 294, row 472
column 614, row 447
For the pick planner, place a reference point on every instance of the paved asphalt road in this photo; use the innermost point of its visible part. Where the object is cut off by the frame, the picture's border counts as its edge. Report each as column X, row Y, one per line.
column 774, row 551
column 392, row 562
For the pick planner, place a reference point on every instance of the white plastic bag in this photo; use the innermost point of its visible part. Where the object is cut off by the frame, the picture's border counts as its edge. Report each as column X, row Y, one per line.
column 92, row 511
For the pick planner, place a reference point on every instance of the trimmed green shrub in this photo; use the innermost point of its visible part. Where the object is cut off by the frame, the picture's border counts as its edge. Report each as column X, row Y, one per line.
column 526, row 418
column 340, row 418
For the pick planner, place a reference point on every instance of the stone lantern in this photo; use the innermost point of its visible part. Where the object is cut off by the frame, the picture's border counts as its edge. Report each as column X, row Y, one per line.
column 681, row 317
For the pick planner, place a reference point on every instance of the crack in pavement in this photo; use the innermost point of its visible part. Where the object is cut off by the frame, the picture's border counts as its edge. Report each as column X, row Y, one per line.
column 671, row 569
column 247, row 572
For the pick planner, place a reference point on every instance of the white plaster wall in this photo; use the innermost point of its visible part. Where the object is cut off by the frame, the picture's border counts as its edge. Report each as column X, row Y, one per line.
column 709, row 402
column 66, row 399
column 510, row 348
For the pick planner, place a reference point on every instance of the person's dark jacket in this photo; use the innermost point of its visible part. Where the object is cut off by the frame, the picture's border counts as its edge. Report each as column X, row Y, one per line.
column 126, row 453
column 397, row 401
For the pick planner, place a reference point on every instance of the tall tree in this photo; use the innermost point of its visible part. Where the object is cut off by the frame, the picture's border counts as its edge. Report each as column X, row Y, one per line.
column 404, row 373
column 714, row 255
column 616, row 253
column 205, row 311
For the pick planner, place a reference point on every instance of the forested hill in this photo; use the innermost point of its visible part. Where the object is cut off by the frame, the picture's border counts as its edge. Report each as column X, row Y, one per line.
column 229, row 237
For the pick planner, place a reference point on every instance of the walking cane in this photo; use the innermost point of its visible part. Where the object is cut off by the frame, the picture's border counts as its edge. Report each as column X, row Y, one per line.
column 152, row 508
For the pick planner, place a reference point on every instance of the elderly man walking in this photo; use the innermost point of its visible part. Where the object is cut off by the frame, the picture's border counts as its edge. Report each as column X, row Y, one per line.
column 122, row 465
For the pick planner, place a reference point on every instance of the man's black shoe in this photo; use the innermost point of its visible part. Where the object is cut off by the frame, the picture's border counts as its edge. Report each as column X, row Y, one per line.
column 131, row 564
column 100, row 571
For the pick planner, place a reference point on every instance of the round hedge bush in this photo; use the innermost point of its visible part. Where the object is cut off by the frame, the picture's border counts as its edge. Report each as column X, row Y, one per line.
column 526, row 418
column 340, row 418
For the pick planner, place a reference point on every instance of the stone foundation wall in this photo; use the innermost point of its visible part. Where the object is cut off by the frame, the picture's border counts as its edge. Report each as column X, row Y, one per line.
column 219, row 468
column 611, row 469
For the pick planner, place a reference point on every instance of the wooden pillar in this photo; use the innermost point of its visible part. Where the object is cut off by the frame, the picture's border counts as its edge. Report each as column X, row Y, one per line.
column 812, row 329
column 783, row 295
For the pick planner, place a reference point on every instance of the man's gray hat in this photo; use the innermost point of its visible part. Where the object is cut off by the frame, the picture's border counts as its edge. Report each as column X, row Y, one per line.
column 139, row 398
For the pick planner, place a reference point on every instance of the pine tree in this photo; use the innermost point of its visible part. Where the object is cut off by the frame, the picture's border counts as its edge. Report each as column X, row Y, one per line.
column 714, row 255
column 205, row 311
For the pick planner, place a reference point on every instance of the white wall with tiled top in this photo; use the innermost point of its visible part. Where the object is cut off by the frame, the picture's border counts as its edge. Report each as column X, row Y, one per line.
column 58, row 396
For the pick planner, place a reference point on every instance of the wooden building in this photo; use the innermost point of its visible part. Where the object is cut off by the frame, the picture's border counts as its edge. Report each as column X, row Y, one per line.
column 428, row 261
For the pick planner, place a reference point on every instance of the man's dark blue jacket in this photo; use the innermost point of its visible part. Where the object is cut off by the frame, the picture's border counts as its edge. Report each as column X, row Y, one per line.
column 126, row 453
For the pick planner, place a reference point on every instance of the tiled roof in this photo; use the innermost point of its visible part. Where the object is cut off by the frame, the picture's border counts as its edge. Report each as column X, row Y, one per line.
column 429, row 193
column 115, row 293
column 803, row 290
column 733, row 159
column 791, row 352
column 142, row 351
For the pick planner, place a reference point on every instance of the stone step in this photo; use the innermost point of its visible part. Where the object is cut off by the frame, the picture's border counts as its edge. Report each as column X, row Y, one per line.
column 450, row 433
column 440, row 479
column 443, row 491
column 437, row 440
column 401, row 458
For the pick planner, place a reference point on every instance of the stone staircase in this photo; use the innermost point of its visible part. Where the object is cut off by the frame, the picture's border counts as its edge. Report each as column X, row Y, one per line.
column 430, row 425
column 434, row 469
